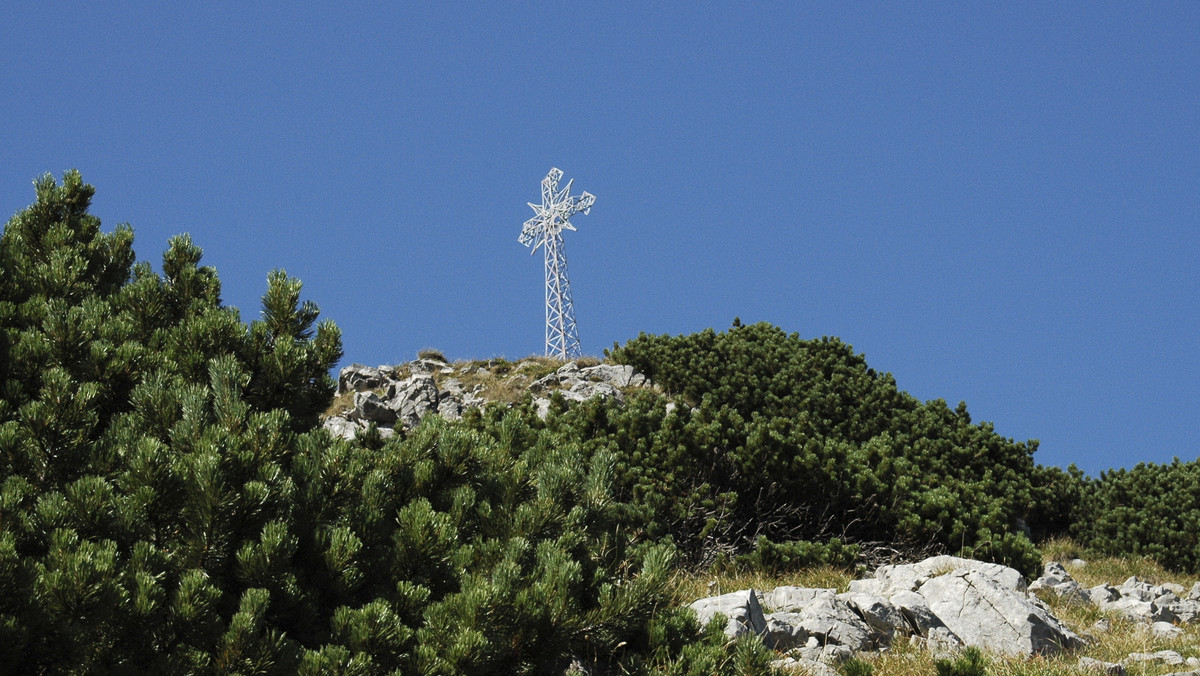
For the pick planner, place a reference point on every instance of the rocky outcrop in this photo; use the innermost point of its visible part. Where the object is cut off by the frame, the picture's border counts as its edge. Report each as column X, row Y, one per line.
column 945, row 603
column 741, row 609
column 980, row 604
column 398, row 397
column 1141, row 601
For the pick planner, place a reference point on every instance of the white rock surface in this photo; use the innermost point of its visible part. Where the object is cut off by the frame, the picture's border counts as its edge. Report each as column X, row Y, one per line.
column 740, row 608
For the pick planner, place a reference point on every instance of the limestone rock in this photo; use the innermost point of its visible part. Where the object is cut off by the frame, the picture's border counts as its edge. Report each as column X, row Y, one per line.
column 359, row 378
column 828, row 654
column 384, row 397
column 880, row 615
column 449, row 407
column 1053, row 573
column 923, row 622
column 741, row 608
column 784, row 632
column 343, row 427
column 1103, row 594
column 1058, row 581
column 1133, row 609
column 794, row 599
column 568, row 372
column 412, row 399
column 1186, row 611
column 370, row 407
column 617, row 375
column 1165, row 630
column 983, row 609
column 1099, row 667
column 1167, row 657
column 1194, row 593
column 832, row 621
column 582, row 390
column 1143, row 591
column 910, row 577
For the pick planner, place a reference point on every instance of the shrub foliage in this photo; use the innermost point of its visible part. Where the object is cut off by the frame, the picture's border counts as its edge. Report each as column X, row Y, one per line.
column 169, row 505
column 793, row 440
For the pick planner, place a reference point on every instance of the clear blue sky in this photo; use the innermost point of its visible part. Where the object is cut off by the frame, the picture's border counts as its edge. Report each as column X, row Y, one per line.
column 996, row 202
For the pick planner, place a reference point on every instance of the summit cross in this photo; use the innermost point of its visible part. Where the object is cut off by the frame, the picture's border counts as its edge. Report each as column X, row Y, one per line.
column 545, row 230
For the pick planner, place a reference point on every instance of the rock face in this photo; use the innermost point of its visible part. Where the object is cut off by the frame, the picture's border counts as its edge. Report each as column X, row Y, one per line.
column 1144, row 602
column 944, row 601
column 981, row 604
column 984, row 613
column 399, row 397
column 740, row 608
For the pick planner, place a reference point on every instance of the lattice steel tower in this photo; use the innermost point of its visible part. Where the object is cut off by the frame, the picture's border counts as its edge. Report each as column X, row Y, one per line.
column 545, row 230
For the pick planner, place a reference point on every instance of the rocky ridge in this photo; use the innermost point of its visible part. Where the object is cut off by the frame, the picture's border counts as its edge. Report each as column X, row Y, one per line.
column 945, row 603
column 398, row 397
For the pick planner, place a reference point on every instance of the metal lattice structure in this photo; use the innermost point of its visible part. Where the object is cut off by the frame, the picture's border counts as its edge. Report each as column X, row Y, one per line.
column 545, row 230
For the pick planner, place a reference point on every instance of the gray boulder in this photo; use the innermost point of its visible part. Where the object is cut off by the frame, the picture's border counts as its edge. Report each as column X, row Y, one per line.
column 359, row 378
column 1165, row 631
column 794, row 599
column 582, row 384
column 1059, row 582
column 370, row 407
column 881, row 616
column 911, row 576
column 1186, row 611
column 427, row 366
column 1053, row 573
column 343, row 427
column 1167, row 657
column 804, row 667
column 741, row 609
column 1103, row 594
column 567, row 373
column 582, row 390
column 1194, row 593
column 832, row 621
column 449, row 407
column 1131, row 608
column 1096, row 666
column 922, row 621
column 784, row 632
column 617, row 375
column 1142, row 591
column 413, row 398
column 983, row 609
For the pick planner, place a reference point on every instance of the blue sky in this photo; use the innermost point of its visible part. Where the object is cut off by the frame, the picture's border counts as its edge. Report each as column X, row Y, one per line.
column 996, row 202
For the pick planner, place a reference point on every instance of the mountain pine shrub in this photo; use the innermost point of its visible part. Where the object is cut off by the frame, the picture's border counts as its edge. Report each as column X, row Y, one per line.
column 796, row 440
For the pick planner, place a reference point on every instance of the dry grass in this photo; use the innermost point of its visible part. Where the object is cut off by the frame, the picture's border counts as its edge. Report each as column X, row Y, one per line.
column 431, row 353
column 1102, row 569
column 341, row 403
column 496, row 380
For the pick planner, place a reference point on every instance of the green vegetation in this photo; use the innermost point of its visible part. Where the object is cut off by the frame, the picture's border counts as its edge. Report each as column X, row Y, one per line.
column 795, row 440
column 169, row 504
column 970, row 663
